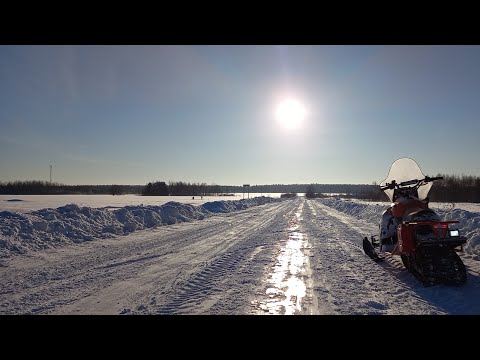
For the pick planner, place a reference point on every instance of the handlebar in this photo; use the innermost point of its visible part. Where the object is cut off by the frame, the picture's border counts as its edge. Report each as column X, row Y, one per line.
column 394, row 184
column 388, row 186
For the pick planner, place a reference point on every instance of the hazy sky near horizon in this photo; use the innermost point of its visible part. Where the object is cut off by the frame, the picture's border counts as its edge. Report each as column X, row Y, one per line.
column 134, row 114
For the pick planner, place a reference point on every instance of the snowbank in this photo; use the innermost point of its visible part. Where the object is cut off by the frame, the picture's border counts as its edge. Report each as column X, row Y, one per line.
column 47, row 228
column 469, row 221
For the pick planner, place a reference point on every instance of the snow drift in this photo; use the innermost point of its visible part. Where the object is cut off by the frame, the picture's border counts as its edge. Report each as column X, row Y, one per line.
column 47, row 228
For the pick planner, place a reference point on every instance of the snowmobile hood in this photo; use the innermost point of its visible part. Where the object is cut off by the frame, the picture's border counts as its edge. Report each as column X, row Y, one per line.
column 406, row 169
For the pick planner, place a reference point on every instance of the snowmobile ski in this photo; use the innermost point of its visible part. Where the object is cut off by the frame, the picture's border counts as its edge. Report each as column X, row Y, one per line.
column 370, row 251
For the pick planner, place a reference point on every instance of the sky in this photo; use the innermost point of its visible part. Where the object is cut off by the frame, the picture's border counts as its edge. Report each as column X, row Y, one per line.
column 135, row 114
column 255, row 256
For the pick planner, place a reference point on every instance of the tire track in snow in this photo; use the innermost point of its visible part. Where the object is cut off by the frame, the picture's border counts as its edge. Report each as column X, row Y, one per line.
column 203, row 291
column 87, row 271
column 179, row 267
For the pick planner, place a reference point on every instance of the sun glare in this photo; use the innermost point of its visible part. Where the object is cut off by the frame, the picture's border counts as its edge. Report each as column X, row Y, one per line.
column 290, row 113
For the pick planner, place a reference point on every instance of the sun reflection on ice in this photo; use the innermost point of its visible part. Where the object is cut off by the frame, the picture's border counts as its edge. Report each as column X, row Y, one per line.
column 287, row 287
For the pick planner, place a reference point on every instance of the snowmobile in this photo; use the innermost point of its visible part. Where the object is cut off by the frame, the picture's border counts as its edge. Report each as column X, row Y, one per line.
column 428, row 246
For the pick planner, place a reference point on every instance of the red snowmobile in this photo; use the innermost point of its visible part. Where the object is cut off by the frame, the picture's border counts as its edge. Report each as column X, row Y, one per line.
column 427, row 245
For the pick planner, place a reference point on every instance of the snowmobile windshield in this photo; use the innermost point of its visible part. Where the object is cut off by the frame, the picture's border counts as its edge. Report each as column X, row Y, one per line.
column 403, row 170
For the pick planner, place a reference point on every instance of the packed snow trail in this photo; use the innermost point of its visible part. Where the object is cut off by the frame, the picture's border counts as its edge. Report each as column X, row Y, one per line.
column 292, row 257
column 204, row 266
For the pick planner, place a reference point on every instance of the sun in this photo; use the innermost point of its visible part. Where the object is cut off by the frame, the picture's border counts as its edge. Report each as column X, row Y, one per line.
column 290, row 113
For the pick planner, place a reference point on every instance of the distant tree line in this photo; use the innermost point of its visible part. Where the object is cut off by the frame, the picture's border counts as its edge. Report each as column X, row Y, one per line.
column 196, row 189
column 181, row 188
column 35, row 187
column 301, row 188
column 453, row 188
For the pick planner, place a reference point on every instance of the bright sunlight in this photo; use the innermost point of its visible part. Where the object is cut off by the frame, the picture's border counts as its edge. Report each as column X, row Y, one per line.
column 290, row 113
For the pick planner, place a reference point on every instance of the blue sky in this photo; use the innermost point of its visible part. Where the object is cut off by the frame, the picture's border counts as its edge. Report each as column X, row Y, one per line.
column 134, row 114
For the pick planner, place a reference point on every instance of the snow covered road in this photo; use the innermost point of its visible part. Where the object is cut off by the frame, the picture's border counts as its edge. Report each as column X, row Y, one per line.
column 291, row 257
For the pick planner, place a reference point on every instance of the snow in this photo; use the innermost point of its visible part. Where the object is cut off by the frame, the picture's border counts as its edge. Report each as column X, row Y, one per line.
column 26, row 203
column 46, row 228
column 255, row 256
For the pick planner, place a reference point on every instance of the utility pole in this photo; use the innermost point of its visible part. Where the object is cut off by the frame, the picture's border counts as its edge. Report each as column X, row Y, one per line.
column 50, row 174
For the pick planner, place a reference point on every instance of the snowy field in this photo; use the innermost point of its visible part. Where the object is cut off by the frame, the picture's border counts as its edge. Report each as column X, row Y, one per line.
column 261, row 255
